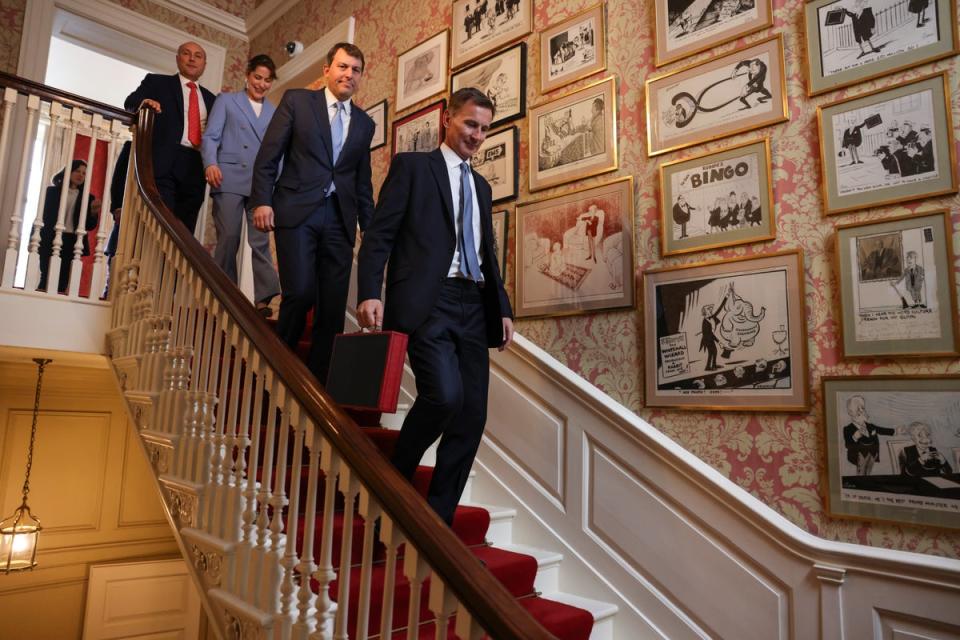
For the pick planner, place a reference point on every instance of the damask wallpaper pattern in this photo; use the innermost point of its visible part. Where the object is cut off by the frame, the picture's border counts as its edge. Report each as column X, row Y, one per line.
column 11, row 27
column 779, row 458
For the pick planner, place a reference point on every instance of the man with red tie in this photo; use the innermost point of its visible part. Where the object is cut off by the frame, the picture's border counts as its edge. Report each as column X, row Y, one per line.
column 181, row 105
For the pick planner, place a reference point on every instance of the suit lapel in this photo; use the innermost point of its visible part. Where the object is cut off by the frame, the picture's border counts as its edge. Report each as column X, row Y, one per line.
column 439, row 168
column 177, row 89
column 243, row 103
column 323, row 120
column 352, row 132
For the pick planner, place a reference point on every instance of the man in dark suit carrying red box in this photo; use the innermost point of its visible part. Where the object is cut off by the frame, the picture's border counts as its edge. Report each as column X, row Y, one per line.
column 433, row 222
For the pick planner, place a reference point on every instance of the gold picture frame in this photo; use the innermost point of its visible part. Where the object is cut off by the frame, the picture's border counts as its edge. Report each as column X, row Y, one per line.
column 739, row 91
column 726, row 335
column 681, row 37
column 574, row 251
column 882, row 474
column 573, row 49
column 422, row 70
column 887, row 123
column 574, row 136
column 832, row 60
column 701, row 221
column 475, row 35
column 897, row 293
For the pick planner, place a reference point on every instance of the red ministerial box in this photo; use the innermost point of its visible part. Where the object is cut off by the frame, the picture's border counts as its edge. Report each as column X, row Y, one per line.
column 366, row 369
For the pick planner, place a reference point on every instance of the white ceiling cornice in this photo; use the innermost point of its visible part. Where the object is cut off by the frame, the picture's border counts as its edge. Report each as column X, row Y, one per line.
column 202, row 12
column 265, row 15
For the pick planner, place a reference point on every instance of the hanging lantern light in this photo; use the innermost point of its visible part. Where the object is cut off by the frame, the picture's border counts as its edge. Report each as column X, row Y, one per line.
column 19, row 532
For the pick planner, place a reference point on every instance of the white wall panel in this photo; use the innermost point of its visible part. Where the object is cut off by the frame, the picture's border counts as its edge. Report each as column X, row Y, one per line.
column 673, row 550
column 534, row 432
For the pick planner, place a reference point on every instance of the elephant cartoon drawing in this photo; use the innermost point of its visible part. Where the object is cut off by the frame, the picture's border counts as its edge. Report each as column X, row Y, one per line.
column 739, row 325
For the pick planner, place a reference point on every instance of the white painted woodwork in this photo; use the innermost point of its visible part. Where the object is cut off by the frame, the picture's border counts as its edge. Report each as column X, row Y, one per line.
column 109, row 28
column 142, row 599
column 37, row 321
column 682, row 551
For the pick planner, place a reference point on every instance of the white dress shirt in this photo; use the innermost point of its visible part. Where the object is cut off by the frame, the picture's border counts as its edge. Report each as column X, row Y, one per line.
column 453, row 162
column 184, row 140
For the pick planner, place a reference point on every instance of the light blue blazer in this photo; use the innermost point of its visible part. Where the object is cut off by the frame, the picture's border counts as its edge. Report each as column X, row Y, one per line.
column 232, row 139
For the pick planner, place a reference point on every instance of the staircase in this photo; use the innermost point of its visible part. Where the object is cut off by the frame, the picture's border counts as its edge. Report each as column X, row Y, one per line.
column 272, row 491
column 527, row 572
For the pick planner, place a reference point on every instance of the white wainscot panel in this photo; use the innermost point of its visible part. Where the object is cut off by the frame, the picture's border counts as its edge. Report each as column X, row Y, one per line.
column 141, row 599
column 678, row 556
column 529, row 432
column 897, row 626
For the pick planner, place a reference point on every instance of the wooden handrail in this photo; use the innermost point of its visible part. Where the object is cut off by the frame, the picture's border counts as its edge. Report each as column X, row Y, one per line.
column 29, row 87
column 488, row 601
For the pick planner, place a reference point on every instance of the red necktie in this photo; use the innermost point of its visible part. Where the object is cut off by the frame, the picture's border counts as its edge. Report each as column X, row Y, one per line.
column 193, row 116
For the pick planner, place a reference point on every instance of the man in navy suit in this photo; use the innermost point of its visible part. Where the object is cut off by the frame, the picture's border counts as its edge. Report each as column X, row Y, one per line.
column 434, row 224
column 182, row 106
column 230, row 144
column 323, row 192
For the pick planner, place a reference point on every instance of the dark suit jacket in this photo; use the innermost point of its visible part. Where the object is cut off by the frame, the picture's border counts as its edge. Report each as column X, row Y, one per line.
column 299, row 134
column 868, row 445
column 414, row 227
column 910, row 464
column 168, row 124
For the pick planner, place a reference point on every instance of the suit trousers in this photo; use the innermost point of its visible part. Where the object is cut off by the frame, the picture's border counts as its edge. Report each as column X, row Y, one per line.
column 314, row 260
column 449, row 357
column 183, row 185
column 229, row 210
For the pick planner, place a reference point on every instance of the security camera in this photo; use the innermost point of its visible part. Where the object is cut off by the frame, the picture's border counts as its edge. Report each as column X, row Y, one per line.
column 294, row 47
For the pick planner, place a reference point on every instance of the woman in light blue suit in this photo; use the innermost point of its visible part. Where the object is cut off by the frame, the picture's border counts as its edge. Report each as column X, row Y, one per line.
column 232, row 138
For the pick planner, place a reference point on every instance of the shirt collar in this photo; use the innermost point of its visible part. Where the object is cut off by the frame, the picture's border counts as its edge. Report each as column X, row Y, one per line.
column 450, row 157
column 184, row 80
column 331, row 100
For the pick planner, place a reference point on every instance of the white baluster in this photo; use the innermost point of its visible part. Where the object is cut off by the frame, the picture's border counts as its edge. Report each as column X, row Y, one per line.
column 307, row 566
column 10, row 97
column 57, row 112
column 250, row 506
column 416, row 570
column 80, row 232
column 98, row 280
column 391, row 538
column 465, row 626
column 290, row 559
column 442, row 603
column 13, row 240
column 266, row 576
column 238, row 440
column 53, row 268
column 324, row 575
column 370, row 511
column 349, row 488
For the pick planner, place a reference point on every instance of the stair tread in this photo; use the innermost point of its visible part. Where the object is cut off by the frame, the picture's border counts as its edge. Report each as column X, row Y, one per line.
column 597, row 608
column 496, row 512
column 543, row 556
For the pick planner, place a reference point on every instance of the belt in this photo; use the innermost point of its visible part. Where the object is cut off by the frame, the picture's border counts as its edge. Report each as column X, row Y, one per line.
column 466, row 282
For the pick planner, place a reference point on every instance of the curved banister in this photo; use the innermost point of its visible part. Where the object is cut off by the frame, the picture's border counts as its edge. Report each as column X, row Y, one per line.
column 29, row 87
column 488, row 601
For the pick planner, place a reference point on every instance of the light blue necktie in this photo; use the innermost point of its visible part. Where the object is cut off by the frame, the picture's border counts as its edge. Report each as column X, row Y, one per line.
column 336, row 131
column 469, row 263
